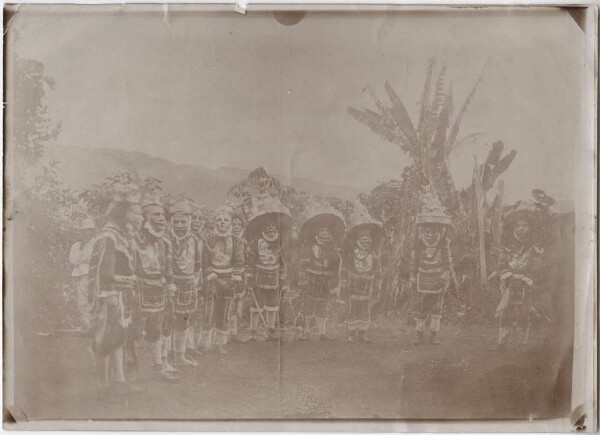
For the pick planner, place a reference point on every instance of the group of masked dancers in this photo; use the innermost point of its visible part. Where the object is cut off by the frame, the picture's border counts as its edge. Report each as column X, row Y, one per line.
column 158, row 275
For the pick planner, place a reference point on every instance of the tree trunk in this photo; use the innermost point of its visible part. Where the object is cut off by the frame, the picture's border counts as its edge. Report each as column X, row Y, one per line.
column 479, row 199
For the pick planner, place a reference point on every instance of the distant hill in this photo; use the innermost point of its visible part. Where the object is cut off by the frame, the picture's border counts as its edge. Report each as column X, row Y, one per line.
column 80, row 167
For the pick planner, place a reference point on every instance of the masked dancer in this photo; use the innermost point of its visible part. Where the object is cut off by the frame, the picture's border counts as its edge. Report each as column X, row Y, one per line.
column 520, row 260
column 269, row 225
column 223, row 264
column 187, row 270
column 361, row 271
column 321, row 231
column 432, row 270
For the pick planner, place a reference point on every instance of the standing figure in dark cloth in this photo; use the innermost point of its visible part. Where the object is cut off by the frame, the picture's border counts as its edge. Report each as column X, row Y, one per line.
column 187, row 270
column 154, row 281
column 432, row 270
column 239, row 291
column 361, row 271
column 223, row 265
column 112, row 280
column 519, row 261
column 269, row 225
column 321, row 231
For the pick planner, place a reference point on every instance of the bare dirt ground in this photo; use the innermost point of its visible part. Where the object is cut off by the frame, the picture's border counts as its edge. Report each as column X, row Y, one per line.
column 388, row 378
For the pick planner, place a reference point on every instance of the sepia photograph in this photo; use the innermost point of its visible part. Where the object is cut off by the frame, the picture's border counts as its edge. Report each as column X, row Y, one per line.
column 295, row 214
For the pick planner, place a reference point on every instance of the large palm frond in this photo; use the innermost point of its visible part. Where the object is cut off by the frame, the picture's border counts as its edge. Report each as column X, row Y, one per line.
column 439, row 96
column 442, row 121
column 373, row 120
column 400, row 115
column 388, row 120
column 425, row 102
column 454, row 130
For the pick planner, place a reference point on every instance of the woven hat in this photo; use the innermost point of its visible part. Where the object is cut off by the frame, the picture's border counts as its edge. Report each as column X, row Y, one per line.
column 361, row 220
column 432, row 211
column 263, row 209
column 317, row 216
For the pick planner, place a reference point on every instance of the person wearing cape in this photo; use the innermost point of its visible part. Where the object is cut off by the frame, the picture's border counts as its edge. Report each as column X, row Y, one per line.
column 268, row 228
column 519, row 262
column 112, row 280
column 361, row 271
column 321, row 231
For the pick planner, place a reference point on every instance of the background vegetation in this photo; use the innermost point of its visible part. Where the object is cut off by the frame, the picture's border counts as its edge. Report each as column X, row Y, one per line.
column 50, row 211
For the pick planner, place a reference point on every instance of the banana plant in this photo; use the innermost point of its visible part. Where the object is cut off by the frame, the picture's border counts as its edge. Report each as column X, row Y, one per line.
column 429, row 142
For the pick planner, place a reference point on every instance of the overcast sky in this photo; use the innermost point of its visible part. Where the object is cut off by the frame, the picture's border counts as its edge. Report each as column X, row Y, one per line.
column 224, row 89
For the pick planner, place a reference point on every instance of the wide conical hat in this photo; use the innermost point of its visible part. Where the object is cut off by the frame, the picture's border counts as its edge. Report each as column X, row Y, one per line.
column 432, row 211
column 361, row 220
column 263, row 209
column 320, row 215
column 522, row 211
